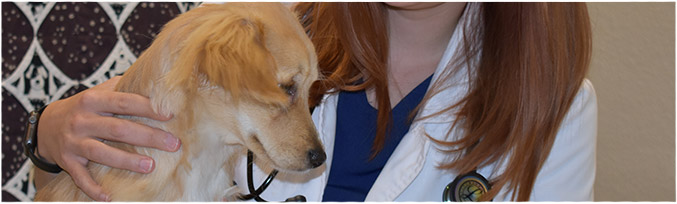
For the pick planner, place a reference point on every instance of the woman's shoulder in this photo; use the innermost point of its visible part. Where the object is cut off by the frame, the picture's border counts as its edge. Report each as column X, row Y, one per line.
column 584, row 101
column 587, row 90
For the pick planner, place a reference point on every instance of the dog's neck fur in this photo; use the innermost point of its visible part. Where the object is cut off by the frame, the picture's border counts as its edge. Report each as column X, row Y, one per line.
column 199, row 170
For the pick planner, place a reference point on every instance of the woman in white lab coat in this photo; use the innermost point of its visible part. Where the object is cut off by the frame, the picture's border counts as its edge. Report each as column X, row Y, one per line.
column 517, row 109
column 505, row 112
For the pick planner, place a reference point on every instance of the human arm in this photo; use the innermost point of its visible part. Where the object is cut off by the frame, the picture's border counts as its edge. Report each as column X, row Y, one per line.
column 71, row 131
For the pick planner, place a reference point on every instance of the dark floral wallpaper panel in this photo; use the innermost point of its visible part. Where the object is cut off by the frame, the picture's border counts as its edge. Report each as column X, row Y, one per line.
column 56, row 49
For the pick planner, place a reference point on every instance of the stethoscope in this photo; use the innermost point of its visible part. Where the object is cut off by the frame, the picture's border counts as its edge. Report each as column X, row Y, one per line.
column 256, row 193
column 467, row 187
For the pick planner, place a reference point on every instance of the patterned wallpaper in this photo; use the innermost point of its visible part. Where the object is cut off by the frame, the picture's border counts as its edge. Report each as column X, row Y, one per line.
column 54, row 50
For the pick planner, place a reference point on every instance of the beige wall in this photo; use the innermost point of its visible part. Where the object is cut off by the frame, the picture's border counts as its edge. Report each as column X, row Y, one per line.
column 633, row 71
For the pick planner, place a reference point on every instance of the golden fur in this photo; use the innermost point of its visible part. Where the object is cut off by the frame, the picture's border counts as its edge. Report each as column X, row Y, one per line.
column 222, row 71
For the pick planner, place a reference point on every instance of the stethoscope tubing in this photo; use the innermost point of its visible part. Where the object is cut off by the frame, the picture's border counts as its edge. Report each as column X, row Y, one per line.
column 255, row 193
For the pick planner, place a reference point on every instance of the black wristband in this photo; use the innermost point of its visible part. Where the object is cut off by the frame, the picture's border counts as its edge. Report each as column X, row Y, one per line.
column 31, row 142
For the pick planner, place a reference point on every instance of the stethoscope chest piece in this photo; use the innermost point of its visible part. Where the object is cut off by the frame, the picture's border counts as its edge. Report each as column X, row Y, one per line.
column 466, row 187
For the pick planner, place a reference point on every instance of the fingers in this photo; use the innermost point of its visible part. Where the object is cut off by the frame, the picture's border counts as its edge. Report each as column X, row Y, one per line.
column 105, row 100
column 110, row 156
column 120, row 103
column 84, row 180
column 119, row 130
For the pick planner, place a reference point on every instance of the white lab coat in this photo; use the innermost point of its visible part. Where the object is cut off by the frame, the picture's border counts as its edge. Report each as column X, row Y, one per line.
column 411, row 173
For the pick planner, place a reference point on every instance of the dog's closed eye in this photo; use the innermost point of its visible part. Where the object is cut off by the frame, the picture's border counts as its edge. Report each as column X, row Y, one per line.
column 289, row 89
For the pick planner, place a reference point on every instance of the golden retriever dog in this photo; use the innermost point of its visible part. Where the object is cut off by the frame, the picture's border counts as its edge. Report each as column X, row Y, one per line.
column 235, row 76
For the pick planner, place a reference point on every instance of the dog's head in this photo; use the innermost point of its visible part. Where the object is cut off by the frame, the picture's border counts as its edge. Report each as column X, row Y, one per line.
column 243, row 67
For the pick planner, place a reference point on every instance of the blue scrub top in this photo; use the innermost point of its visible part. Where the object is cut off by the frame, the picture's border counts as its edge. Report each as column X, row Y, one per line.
column 352, row 173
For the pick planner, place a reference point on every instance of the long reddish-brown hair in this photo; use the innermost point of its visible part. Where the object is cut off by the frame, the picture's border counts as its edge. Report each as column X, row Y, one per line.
column 527, row 63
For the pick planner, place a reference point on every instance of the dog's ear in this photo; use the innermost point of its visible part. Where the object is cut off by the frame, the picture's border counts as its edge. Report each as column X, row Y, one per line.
column 229, row 52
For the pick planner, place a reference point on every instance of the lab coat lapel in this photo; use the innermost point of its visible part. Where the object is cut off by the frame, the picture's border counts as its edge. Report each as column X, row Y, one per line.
column 402, row 167
column 325, row 115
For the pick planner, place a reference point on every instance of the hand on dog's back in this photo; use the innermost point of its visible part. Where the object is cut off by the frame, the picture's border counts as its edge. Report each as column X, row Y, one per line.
column 71, row 130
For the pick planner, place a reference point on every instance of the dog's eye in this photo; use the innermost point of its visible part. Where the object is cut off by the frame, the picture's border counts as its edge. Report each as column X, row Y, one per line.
column 289, row 89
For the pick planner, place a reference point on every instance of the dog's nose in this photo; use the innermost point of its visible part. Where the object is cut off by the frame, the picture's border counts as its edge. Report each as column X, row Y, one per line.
column 316, row 157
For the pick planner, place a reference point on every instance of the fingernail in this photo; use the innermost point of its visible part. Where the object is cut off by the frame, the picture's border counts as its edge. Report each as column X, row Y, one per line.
column 146, row 165
column 103, row 197
column 171, row 142
column 167, row 116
